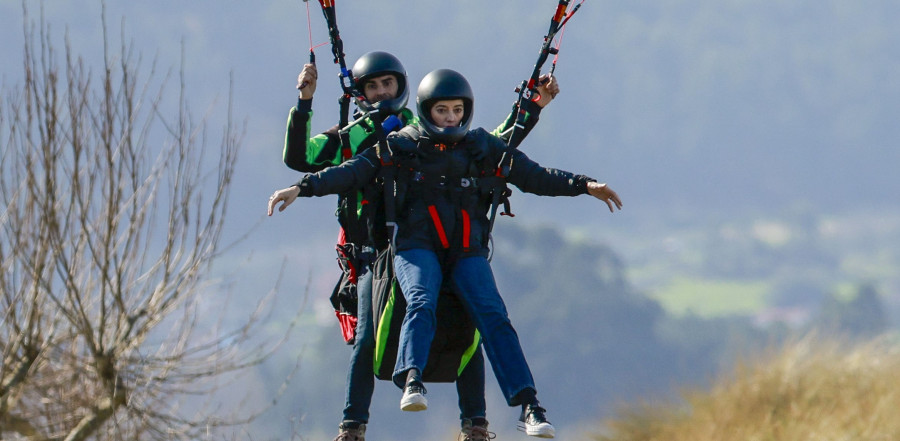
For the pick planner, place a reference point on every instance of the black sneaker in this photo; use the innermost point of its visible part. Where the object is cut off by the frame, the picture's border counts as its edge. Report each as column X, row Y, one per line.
column 472, row 432
column 414, row 397
column 534, row 423
column 351, row 431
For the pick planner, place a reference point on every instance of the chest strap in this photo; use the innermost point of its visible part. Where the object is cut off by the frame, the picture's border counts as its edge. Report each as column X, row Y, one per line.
column 444, row 181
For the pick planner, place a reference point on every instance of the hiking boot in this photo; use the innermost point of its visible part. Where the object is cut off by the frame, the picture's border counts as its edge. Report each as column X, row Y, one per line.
column 471, row 432
column 414, row 397
column 534, row 423
column 351, row 431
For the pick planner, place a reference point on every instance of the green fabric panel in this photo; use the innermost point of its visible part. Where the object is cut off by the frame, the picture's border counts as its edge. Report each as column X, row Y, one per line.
column 359, row 204
column 507, row 123
column 407, row 115
column 314, row 145
column 383, row 331
column 467, row 356
column 358, row 134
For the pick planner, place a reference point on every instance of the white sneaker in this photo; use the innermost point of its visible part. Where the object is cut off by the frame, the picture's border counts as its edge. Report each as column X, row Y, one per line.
column 414, row 397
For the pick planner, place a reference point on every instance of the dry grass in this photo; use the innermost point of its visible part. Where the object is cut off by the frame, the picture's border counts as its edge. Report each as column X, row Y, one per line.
column 811, row 390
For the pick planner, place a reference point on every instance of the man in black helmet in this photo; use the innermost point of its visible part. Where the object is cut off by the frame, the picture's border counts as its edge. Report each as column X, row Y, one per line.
column 445, row 174
column 381, row 78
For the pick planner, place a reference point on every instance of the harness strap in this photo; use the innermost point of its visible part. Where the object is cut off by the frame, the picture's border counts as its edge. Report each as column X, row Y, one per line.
column 442, row 235
column 444, row 181
column 467, row 229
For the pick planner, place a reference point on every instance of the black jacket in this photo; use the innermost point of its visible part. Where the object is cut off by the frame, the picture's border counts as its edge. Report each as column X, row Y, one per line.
column 442, row 195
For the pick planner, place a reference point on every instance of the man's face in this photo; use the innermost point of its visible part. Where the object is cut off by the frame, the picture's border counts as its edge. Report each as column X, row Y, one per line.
column 381, row 88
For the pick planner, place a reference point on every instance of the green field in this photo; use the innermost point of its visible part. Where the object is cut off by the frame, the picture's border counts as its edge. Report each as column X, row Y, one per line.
column 711, row 298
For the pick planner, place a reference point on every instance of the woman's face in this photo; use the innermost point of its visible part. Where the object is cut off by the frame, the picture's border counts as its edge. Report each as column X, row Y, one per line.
column 448, row 113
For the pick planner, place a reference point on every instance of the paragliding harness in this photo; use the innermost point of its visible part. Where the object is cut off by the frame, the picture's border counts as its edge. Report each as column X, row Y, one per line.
column 528, row 91
column 456, row 339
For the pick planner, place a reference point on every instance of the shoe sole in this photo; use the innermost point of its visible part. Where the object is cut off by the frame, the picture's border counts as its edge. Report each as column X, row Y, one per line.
column 541, row 431
column 414, row 403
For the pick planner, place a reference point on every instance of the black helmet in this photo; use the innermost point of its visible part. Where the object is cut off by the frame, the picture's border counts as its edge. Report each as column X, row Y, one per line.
column 376, row 64
column 444, row 84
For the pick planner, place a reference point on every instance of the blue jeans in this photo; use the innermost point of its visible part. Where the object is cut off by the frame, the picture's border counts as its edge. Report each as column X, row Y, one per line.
column 420, row 275
column 361, row 375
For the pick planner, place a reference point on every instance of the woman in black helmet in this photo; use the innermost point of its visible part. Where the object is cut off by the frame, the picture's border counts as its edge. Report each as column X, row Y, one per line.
column 447, row 207
column 443, row 200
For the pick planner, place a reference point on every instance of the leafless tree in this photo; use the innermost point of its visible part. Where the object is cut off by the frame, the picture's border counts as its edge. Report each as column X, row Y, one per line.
column 112, row 212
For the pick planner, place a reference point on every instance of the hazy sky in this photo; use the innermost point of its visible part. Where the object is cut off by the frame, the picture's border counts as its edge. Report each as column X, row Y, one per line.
column 693, row 111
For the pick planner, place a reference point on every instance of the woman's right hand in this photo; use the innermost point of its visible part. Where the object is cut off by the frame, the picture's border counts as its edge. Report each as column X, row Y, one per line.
column 285, row 195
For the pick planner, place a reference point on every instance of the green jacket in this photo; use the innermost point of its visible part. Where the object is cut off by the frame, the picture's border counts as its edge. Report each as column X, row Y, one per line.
column 310, row 154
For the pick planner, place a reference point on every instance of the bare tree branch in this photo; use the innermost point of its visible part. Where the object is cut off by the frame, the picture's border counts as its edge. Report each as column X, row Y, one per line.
column 114, row 207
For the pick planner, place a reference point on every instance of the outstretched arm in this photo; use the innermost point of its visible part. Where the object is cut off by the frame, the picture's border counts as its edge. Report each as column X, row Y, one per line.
column 605, row 194
column 350, row 175
column 531, row 177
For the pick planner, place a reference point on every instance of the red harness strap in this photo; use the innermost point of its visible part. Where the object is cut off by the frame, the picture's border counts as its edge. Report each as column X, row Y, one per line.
column 467, row 229
column 438, row 226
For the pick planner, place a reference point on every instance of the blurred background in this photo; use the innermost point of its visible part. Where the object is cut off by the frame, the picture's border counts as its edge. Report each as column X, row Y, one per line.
column 754, row 146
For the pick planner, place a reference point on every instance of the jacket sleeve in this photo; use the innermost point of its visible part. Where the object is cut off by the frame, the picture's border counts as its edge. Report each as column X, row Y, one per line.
column 349, row 175
column 532, row 115
column 304, row 153
column 531, row 177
